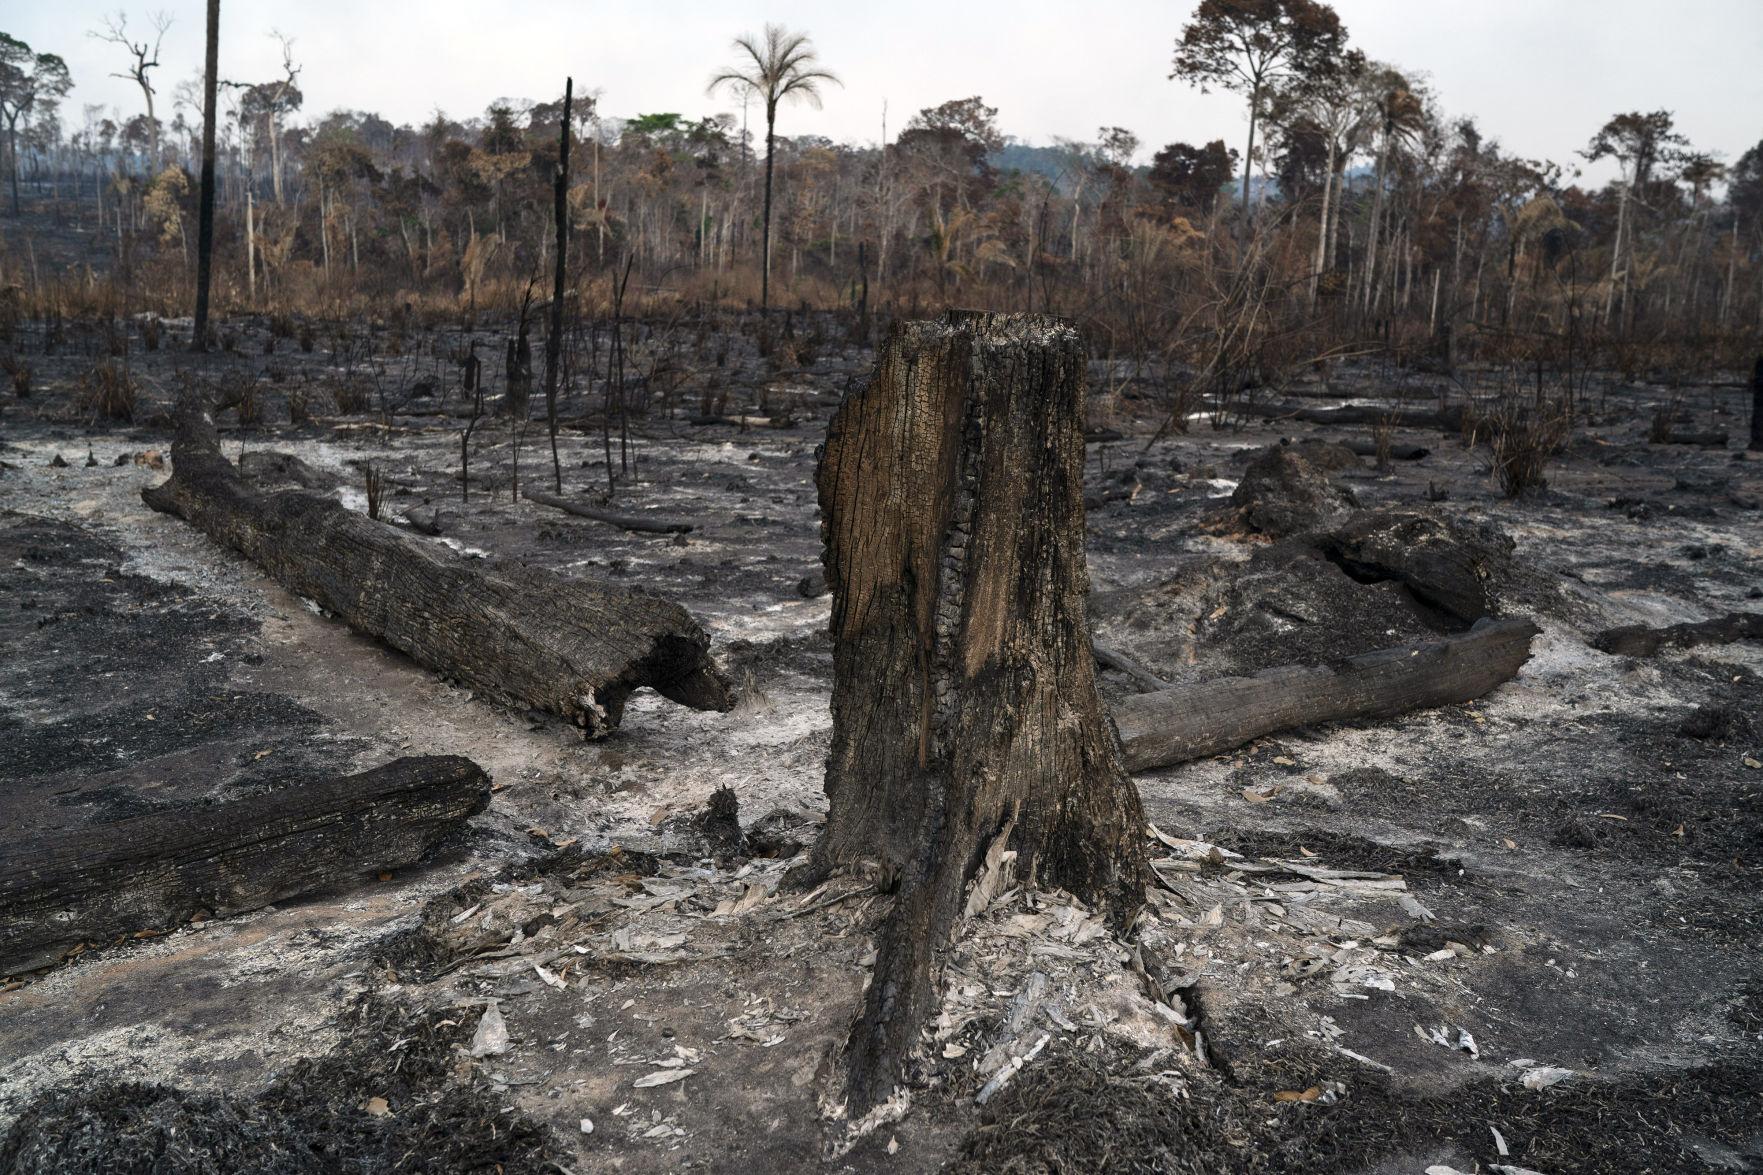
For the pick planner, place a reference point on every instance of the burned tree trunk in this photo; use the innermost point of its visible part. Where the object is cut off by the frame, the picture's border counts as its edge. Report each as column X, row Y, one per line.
column 964, row 692
column 92, row 884
column 523, row 635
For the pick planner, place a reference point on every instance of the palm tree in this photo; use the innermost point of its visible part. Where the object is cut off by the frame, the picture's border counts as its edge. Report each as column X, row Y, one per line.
column 778, row 67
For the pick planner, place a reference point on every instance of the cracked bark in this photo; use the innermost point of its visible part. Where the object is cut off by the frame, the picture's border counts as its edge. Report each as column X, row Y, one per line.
column 964, row 689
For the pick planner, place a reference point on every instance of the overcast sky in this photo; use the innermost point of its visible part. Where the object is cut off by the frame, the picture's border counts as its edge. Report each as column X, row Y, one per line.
column 1539, row 75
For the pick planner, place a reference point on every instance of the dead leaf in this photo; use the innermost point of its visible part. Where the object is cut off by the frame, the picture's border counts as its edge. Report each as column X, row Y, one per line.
column 661, row 1077
column 377, row 1106
column 1260, row 796
column 1544, row 1076
column 1297, row 1095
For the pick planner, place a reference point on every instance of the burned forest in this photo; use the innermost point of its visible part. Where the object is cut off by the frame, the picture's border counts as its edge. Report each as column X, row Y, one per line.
column 585, row 637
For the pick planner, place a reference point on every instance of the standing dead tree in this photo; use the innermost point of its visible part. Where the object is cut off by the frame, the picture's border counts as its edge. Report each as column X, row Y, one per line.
column 523, row 635
column 964, row 701
column 554, row 340
column 205, row 230
column 146, row 58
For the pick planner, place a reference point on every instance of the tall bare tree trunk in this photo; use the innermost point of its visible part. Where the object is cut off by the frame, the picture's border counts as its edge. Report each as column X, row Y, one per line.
column 1616, row 250
column 250, row 246
column 554, row 340
column 1376, row 227
column 1249, row 155
column 765, row 245
column 1322, row 231
column 205, row 223
column 964, row 693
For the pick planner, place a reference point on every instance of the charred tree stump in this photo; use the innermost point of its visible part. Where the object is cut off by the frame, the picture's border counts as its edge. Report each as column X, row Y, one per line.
column 964, row 686
column 92, row 884
column 523, row 635
column 1174, row 726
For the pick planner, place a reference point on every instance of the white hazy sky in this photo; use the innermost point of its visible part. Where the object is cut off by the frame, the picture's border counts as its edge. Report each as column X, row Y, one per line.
column 1539, row 75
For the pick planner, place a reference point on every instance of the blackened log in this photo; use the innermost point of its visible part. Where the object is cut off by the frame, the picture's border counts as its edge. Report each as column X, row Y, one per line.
column 1715, row 439
column 964, row 687
column 1190, row 722
column 94, row 883
column 644, row 523
column 1641, row 640
column 523, row 635
column 1398, row 452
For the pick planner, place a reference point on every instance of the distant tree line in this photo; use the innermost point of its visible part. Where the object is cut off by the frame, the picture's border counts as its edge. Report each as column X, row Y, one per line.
column 1356, row 210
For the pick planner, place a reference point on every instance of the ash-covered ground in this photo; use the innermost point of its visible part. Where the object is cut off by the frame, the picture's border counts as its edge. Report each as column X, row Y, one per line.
column 1546, row 955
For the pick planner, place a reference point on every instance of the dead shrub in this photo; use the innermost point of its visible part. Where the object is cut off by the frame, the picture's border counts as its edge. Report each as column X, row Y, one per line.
column 19, row 372
column 11, row 311
column 376, row 489
column 150, row 331
column 250, row 403
column 351, row 396
column 1659, row 428
column 108, row 392
column 1524, row 439
column 307, row 338
column 281, row 326
column 299, row 406
column 1382, row 435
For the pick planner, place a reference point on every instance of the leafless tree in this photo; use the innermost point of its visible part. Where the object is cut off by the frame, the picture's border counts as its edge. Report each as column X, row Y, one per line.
column 145, row 54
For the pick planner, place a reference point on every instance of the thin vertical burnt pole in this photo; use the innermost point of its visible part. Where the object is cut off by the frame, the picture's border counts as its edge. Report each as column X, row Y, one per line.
column 554, row 340
column 205, row 229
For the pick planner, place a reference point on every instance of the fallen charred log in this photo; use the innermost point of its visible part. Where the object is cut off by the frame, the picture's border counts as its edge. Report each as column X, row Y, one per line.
column 93, row 884
column 1190, row 722
column 1447, row 419
column 523, row 635
column 643, row 523
column 1397, row 452
column 1641, row 640
column 1715, row 439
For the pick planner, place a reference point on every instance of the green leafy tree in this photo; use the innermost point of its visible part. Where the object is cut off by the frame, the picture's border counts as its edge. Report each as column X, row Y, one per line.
column 28, row 80
column 778, row 67
column 1253, row 47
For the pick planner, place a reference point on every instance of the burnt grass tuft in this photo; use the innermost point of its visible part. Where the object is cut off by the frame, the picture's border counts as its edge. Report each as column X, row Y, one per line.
column 1083, row 1112
column 319, row 1116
